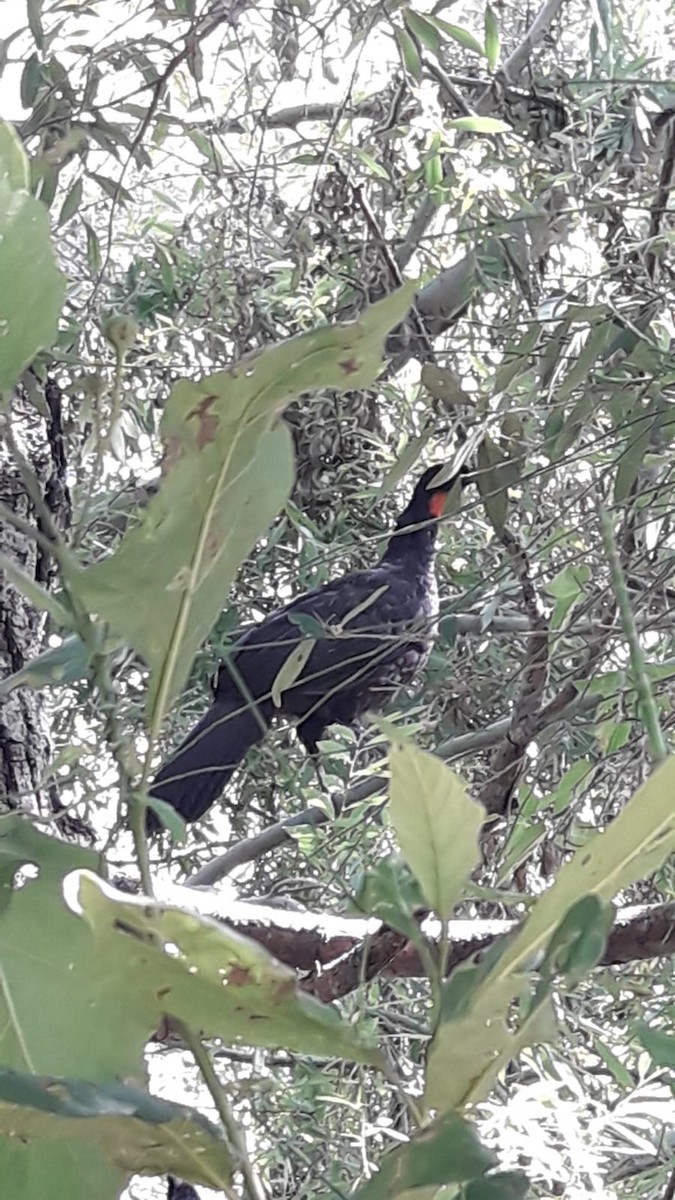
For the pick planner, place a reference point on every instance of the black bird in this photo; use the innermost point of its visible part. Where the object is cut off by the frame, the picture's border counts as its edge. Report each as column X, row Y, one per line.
column 370, row 631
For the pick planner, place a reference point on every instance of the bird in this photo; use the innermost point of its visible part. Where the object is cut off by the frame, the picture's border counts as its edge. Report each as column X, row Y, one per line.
column 365, row 635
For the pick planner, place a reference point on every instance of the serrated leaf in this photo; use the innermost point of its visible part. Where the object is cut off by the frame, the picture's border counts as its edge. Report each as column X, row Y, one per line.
column 436, row 824
column 227, row 472
column 468, row 1049
column 29, row 309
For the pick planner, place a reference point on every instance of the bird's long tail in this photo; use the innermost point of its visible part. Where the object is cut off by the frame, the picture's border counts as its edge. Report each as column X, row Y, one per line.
column 202, row 765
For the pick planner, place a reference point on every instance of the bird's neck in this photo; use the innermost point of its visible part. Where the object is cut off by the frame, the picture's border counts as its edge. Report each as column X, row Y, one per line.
column 412, row 544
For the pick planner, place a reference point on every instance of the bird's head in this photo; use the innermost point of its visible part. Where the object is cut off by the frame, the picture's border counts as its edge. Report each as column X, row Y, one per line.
column 433, row 488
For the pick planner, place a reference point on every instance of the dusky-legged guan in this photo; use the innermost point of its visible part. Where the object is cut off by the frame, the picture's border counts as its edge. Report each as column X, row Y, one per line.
column 378, row 628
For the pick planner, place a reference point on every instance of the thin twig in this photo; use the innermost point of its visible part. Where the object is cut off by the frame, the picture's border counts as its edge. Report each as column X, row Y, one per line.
column 252, row 1183
column 646, row 703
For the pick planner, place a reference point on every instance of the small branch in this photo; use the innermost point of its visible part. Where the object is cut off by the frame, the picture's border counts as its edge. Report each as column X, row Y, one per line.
column 515, row 64
column 251, row 849
column 507, row 760
column 253, row 1185
column 646, row 703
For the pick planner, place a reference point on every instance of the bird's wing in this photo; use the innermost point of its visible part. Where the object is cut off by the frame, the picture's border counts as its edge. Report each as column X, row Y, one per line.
column 358, row 621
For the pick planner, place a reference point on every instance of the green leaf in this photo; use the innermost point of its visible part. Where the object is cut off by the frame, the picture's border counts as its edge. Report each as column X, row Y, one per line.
column 436, row 824
column 444, row 384
column 458, row 34
column 447, row 1151
column 467, row 1051
column 34, row 10
column 502, row 1185
column 479, row 125
column 567, row 587
column 660, row 1046
column 390, row 892
column 58, row 666
column 492, row 479
column 71, row 203
column 492, row 39
column 134, row 1130
column 29, row 309
column 410, row 53
column 206, row 975
column 373, row 166
column 621, row 1073
column 227, row 472
column 41, row 599
column 643, row 429
column 579, row 940
column 32, row 79
column 423, row 29
column 291, row 669
column 14, row 173
column 93, row 248
column 406, row 460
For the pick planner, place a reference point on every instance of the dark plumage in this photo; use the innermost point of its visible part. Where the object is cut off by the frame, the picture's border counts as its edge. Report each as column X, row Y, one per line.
column 378, row 626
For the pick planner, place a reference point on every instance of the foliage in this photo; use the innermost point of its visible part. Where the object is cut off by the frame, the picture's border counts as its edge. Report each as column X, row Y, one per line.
column 236, row 198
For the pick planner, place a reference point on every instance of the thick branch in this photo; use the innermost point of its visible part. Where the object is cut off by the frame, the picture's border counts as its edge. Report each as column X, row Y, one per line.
column 338, row 954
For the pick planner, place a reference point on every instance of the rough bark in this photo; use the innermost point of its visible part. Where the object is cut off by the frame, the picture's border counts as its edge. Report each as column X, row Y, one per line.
column 24, row 742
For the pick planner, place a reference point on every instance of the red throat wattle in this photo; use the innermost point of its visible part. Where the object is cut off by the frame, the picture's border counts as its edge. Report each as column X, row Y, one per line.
column 437, row 503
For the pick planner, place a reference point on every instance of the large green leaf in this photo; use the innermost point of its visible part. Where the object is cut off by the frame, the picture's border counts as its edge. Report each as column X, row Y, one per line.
column 473, row 1040
column 227, row 471
column 447, row 1151
column 210, row 977
column 437, row 825
column 33, row 288
column 81, row 993
column 43, row 1116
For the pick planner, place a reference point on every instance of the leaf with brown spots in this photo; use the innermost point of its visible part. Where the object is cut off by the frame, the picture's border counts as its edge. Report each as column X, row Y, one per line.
column 166, row 583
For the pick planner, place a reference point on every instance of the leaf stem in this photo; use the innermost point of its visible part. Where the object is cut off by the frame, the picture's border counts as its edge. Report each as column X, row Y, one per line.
column 647, row 704
column 252, row 1183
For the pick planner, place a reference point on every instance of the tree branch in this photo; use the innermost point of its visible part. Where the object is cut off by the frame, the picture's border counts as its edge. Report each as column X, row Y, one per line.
column 253, row 848
column 507, row 760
